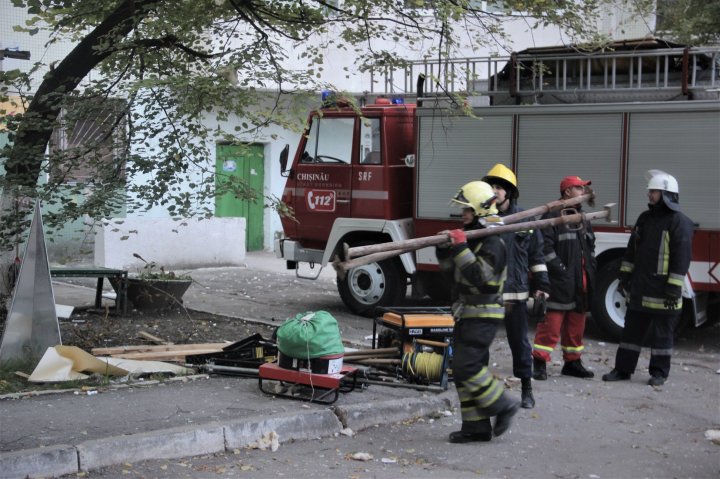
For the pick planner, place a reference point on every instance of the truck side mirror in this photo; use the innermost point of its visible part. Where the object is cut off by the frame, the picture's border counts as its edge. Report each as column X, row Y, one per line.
column 283, row 161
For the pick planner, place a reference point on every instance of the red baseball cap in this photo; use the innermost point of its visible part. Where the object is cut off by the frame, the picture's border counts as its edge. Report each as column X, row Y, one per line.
column 569, row 181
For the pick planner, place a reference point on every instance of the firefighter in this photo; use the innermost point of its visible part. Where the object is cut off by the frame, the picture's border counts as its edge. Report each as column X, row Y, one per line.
column 570, row 259
column 477, row 268
column 524, row 253
column 652, row 273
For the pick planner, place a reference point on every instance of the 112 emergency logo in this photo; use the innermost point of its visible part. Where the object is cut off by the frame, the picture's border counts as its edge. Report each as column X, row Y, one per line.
column 320, row 200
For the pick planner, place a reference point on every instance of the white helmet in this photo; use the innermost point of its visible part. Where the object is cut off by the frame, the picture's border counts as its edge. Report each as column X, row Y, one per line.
column 659, row 180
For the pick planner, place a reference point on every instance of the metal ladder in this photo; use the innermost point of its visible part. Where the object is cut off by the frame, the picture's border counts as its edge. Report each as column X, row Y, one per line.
column 683, row 69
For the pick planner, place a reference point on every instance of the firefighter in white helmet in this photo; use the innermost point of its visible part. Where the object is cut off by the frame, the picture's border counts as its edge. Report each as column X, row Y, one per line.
column 477, row 270
column 524, row 255
column 652, row 273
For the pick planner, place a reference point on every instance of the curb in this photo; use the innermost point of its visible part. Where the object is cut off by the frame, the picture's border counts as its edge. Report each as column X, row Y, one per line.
column 212, row 437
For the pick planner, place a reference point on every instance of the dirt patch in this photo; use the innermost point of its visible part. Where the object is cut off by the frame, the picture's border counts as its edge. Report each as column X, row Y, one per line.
column 89, row 329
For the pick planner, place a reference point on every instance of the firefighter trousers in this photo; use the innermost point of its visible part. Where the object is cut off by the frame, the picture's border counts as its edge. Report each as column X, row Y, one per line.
column 637, row 324
column 516, row 327
column 477, row 389
column 566, row 326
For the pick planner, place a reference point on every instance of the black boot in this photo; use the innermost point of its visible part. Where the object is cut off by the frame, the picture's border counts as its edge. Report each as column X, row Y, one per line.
column 503, row 409
column 461, row 437
column 539, row 369
column 527, row 401
column 475, row 431
column 656, row 380
column 616, row 375
column 576, row 369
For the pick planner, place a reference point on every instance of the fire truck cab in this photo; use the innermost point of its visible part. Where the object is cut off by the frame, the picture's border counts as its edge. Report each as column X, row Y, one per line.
column 350, row 184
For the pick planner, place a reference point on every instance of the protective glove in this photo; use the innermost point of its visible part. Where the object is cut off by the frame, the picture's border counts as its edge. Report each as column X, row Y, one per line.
column 537, row 307
column 670, row 303
column 457, row 237
column 672, row 295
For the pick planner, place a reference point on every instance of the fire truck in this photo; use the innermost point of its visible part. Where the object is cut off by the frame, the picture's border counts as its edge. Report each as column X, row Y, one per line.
column 385, row 172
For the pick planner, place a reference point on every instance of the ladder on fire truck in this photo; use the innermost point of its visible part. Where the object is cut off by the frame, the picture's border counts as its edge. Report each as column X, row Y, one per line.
column 641, row 71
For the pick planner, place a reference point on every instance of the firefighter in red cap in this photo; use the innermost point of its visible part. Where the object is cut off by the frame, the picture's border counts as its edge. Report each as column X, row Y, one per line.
column 570, row 260
column 652, row 274
column 477, row 270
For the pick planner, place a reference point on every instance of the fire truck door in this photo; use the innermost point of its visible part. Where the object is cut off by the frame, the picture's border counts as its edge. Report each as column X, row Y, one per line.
column 324, row 174
column 368, row 182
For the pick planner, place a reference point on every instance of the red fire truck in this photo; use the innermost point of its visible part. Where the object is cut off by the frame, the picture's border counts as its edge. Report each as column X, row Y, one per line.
column 386, row 173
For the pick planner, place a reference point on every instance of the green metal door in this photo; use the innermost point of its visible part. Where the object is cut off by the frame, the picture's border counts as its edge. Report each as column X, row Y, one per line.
column 245, row 163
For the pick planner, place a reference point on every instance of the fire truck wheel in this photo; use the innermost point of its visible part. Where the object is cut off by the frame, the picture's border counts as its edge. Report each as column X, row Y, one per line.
column 608, row 306
column 373, row 285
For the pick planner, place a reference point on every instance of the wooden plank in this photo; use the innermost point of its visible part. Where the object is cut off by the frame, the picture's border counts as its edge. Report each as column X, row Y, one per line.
column 148, row 348
column 154, row 339
column 164, row 355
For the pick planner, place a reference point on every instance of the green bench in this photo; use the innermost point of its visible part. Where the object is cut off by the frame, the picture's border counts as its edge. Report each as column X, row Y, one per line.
column 100, row 274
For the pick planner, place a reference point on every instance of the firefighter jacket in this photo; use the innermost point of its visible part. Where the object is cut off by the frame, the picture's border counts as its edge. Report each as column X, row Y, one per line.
column 524, row 253
column 567, row 253
column 657, row 259
column 477, row 270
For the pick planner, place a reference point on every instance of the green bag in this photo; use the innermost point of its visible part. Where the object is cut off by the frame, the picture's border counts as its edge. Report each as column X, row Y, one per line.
column 310, row 335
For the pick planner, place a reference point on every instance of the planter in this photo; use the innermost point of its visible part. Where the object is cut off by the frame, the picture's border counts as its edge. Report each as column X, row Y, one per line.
column 153, row 294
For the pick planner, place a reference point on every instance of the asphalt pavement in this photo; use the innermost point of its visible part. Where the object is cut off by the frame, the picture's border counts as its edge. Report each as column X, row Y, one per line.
column 71, row 432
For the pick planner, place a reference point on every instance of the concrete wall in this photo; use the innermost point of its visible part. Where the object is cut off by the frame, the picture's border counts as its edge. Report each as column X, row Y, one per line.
column 175, row 245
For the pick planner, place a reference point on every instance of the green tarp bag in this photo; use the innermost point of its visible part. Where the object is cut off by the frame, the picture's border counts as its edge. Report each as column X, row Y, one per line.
column 310, row 335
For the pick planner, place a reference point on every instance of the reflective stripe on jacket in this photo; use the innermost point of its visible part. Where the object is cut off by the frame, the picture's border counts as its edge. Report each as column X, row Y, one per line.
column 566, row 252
column 524, row 253
column 477, row 269
column 657, row 258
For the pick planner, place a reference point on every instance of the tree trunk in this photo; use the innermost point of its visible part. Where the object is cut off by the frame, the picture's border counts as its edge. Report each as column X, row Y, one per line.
column 30, row 141
column 25, row 159
column 8, row 253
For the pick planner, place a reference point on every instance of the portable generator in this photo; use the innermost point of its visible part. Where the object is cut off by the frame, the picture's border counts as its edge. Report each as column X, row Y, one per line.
column 424, row 336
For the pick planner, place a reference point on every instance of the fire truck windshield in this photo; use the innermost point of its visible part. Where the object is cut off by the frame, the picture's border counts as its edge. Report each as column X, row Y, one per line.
column 329, row 140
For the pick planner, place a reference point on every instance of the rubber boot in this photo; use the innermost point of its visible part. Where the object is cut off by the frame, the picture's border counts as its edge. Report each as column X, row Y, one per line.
column 504, row 409
column 475, row 431
column 616, row 375
column 527, row 401
column 539, row 369
column 656, row 380
column 576, row 369
column 461, row 437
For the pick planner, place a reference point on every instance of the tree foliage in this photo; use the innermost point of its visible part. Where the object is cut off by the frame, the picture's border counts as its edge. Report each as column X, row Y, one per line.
column 693, row 22
column 162, row 81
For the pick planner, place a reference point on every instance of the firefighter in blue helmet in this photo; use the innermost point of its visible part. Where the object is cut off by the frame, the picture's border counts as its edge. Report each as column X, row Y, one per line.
column 652, row 273
column 477, row 269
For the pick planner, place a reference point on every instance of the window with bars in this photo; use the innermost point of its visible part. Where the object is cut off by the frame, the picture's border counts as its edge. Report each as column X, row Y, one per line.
column 89, row 142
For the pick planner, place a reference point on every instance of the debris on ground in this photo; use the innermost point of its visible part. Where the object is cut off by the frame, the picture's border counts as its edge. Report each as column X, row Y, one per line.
column 361, row 456
column 713, row 435
column 270, row 440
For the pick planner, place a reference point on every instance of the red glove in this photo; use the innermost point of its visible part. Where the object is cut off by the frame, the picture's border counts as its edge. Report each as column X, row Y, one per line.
column 457, row 237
